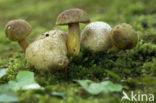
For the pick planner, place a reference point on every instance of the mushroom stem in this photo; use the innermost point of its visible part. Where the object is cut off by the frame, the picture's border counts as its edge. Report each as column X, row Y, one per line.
column 73, row 41
column 24, row 44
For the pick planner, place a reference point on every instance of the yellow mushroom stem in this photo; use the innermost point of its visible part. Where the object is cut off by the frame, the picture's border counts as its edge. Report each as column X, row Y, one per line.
column 73, row 41
column 24, row 44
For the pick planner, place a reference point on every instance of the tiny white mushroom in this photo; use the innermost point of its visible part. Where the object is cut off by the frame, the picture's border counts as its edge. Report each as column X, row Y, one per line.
column 96, row 37
column 49, row 51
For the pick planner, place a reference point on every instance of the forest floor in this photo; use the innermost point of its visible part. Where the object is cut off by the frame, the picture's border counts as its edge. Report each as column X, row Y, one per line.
column 134, row 69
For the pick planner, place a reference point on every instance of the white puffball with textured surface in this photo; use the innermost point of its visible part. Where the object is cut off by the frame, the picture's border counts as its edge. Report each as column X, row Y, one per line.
column 49, row 51
column 96, row 37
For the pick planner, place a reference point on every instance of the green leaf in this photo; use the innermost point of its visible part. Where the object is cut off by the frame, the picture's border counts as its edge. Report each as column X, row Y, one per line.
column 2, row 72
column 111, row 87
column 97, row 88
column 58, row 94
column 10, row 97
column 25, row 76
column 6, row 94
column 24, row 80
column 84, row 83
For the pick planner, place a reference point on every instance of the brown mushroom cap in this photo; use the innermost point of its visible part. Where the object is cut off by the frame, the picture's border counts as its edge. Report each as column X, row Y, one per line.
column 17, row 30
column 72, row 16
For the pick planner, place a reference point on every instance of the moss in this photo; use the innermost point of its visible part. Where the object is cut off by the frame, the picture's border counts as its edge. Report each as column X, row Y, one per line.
column 13, row 65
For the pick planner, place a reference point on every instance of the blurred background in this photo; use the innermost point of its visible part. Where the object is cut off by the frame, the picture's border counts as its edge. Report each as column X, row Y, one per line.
column 42, row 14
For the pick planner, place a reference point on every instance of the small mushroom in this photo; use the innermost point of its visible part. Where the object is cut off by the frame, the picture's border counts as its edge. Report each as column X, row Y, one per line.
column 96, row 36
column 18, row 30
column 123, row 36
column 72, row 18
column 48, row 52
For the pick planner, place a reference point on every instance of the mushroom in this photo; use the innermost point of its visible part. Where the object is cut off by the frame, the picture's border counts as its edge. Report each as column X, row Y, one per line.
column 123, row 36
column 95, row 36
column 72, row 18
column 48, row 52
column 18, row 30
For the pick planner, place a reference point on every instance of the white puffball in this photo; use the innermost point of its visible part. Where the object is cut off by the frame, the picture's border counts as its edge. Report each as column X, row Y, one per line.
column 49, row 51
column 96, row 36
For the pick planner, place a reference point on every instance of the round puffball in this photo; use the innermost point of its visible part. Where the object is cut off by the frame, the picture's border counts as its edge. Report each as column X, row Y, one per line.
column 48, row 52
column 95, row 36
column 123, row 36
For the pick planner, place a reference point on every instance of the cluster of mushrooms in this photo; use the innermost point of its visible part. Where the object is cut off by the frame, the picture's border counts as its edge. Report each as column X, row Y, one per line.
column 49, row 51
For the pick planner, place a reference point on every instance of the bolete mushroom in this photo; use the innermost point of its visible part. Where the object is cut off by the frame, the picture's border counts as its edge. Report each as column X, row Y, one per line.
column 96, row 36
column 123, row 36
column 72, row 18
column 48, row 52
column 18, row 30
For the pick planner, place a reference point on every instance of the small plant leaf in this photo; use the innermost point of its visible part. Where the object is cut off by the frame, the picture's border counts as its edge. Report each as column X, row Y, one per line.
column 7, row 95
column 24, row 81
column 26, row 76
column 58, row 94
column 2, row 72
column 84, row 83
column 111, row 87
column 10, row 97
column 97, row 88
